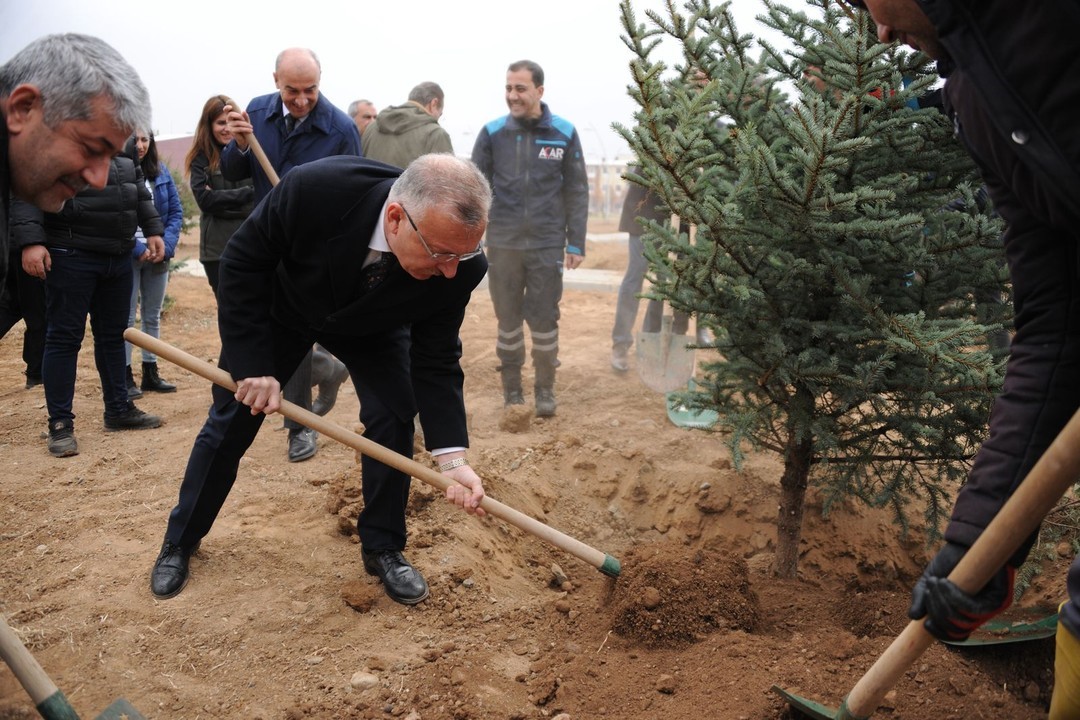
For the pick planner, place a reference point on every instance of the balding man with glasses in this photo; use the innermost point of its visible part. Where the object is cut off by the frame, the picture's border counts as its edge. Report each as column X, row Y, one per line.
column 333, row 256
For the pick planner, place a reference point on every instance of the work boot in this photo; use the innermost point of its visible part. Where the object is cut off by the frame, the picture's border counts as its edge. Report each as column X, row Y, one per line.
column 133, row 390
column 131, row 419
column 544, row 386
column 328, row 391
column 62, row 439
column 512, row 392
column 620, row 362
column 152, row 381
column 545, row 402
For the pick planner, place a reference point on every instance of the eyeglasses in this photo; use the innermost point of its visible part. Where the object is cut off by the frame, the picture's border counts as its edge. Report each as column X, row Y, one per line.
column 442, row 256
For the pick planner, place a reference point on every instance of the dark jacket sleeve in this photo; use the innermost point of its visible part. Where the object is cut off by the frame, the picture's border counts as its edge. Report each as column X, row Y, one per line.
column 235, row 164
column 27, row 224
column 575, row 196
column 481, row 154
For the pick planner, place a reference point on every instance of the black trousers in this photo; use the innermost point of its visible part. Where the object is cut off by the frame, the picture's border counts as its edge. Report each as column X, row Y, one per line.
column 23, row 298
column 230, row 428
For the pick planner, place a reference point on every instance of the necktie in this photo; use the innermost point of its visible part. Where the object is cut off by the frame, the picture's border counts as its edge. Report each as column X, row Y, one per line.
column 375, row 270
column 290, row 123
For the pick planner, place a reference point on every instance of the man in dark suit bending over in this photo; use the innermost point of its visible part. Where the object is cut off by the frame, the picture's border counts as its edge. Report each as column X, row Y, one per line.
column 377, row 265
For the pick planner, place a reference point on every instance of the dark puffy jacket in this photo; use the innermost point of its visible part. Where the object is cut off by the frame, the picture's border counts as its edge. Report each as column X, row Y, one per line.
column 540, row 183
column 1012, row 89
column 1013, row 100
column 102, row 221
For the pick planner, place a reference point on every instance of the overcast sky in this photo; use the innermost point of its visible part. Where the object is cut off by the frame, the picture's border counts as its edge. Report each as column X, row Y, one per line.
column 186, row 51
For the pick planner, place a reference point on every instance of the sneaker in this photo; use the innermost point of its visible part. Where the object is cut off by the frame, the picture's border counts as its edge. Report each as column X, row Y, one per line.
column 131, row 419
column 619, row 360
column 545, row 402
column 62, row 439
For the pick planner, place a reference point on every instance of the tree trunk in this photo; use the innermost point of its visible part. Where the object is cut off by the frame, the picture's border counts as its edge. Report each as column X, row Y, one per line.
column 789, row 519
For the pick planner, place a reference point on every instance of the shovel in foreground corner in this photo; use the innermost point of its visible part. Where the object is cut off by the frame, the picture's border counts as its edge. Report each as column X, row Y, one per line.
column 664, row 360
column 1051, row 477
column 49, row 700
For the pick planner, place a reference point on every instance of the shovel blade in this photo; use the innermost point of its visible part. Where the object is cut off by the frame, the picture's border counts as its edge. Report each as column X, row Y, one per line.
column 120, row 709
column 1013, row 626
column 683, row 416
column 807, row 707
column 664, row 362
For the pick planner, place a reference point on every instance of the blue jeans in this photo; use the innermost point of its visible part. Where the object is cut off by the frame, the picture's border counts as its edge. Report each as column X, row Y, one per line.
column 82, row 282
column 149, row 281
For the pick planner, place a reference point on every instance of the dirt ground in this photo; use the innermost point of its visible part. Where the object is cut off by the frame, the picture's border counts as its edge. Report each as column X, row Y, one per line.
column 279, row 621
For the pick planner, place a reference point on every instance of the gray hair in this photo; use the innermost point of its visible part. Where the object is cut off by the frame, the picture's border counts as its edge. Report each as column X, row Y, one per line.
column 445, row 180
column 425, row 92
column 71, row 71
column 354, row 106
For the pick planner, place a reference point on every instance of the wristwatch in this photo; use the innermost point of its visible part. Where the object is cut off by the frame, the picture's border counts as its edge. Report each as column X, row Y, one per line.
column 451, row 464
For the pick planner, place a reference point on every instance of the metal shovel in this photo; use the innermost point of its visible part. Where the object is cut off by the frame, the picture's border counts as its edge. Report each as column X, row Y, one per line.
column 665, row 362
column 1056, row 471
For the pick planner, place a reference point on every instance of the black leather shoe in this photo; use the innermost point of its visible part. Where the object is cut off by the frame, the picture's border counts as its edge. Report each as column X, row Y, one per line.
column 401, row 581
column 170, row 573
column 302, row 444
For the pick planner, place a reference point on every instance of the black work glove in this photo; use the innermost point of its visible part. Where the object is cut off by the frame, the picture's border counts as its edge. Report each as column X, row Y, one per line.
column 951, row 613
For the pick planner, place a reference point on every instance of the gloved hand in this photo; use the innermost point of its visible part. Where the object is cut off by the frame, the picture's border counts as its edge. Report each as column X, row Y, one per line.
column 951, row 613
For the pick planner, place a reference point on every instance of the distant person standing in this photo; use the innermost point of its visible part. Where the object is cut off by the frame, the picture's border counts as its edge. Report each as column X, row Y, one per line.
column 150, row 276
column 362, row 112
column 223, row 204
column 294, row 125
column 640, row 205
column 534, row 162
column 402, row 133
column 83, row 253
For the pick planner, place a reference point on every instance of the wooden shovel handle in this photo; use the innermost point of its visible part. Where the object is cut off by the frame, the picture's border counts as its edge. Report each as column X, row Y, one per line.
column 1055, row 472
column 264, row 161
column 50, row 702
column 601, row 561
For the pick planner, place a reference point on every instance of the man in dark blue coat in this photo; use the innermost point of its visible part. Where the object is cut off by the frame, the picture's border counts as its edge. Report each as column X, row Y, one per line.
column 294, row 125
column 377, row 265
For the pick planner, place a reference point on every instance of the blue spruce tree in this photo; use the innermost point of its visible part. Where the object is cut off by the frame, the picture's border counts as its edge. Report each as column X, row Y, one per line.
column 840, row 256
